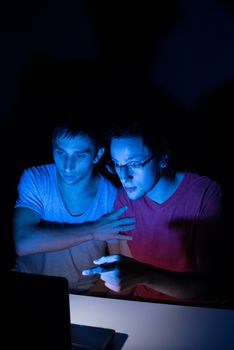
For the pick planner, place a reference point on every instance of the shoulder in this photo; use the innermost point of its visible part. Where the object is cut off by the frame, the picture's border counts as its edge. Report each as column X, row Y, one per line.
column 38, row 177
column 203, row 184
column 40, row 171
column 107, row 184
column 202, row 181
column 44, row 169
column 36, row 185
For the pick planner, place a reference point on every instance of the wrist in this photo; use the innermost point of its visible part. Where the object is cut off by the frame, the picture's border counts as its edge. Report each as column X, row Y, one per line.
column 89, row 231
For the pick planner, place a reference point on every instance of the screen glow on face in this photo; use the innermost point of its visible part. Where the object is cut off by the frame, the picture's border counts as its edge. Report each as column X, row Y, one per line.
column 131, row 167
column 134, row 165
column 73, row 157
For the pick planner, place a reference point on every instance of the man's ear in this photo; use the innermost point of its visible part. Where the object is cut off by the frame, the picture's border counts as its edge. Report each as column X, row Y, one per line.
column 99, row 155
column 164, row 161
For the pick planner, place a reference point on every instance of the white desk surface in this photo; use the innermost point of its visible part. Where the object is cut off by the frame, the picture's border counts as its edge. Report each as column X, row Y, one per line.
column 152, row 326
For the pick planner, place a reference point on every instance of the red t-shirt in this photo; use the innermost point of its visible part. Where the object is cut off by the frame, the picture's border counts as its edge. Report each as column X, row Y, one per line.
column 172, row 234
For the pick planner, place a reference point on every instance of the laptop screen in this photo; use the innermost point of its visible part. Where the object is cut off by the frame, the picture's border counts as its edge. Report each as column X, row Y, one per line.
column 37, row 315
column 36, row 311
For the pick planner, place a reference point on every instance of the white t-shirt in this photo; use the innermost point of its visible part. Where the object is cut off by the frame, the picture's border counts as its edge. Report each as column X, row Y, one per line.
column 38, row 190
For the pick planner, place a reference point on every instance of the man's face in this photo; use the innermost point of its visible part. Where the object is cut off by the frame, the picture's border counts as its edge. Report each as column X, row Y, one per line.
column 137, row 180
column 74, row 158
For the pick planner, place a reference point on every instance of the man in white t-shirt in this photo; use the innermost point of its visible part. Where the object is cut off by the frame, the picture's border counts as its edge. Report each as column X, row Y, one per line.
column 63, row 215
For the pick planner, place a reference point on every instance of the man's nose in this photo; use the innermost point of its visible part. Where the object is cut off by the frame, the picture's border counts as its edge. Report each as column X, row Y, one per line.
column 124, row 174
column 69, row 164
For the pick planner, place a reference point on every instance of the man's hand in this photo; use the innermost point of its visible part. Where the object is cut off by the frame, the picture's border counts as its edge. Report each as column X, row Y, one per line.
column 110, row 226
column 118, row 271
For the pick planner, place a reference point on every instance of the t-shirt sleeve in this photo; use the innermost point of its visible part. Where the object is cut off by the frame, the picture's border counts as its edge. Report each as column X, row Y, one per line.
column 209, row 226
column 29, row 192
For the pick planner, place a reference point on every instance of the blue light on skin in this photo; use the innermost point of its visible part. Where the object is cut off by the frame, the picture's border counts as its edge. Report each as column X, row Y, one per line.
column 119, row 272
column 75, row 158
column 108, row 271
column 149, row 180
column 138, row 183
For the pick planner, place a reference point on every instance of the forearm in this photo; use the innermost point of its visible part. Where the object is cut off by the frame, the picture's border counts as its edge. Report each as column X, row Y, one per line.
column 31, row 237
column 121, row 273
column 36, row 239
column 181, row 285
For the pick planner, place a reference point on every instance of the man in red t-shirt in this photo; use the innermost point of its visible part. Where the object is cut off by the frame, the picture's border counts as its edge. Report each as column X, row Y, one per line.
column 175, row 248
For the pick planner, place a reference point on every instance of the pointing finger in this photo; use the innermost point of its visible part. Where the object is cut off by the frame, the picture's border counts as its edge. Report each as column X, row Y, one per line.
column 107, row 259
column 92, row 271
column 99, row 269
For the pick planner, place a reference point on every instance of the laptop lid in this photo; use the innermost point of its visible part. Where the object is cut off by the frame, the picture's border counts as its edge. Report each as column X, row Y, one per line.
column 37, row 315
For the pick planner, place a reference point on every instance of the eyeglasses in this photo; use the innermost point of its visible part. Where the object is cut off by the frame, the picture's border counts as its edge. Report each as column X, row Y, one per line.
column 114, row 167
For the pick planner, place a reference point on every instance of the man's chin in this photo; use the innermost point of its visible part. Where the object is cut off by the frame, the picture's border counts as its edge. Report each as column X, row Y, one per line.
column 133, row 195
column 69, row 180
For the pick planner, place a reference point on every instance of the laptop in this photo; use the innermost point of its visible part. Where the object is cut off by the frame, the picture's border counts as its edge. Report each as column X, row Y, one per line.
column 35, row 313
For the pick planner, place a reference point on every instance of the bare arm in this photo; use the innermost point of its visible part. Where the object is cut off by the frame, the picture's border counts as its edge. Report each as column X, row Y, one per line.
column 120, row 273
column 30, row 238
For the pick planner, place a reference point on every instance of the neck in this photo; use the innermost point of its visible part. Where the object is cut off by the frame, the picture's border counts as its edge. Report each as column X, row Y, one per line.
column 82, row 186
column 165, row 187
column 77, row 198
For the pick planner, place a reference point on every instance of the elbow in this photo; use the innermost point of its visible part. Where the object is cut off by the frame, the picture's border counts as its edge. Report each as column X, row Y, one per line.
column 20, row 251
column 21, row 248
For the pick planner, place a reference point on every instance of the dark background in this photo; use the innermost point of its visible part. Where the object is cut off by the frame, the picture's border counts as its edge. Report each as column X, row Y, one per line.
column 178, row 55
